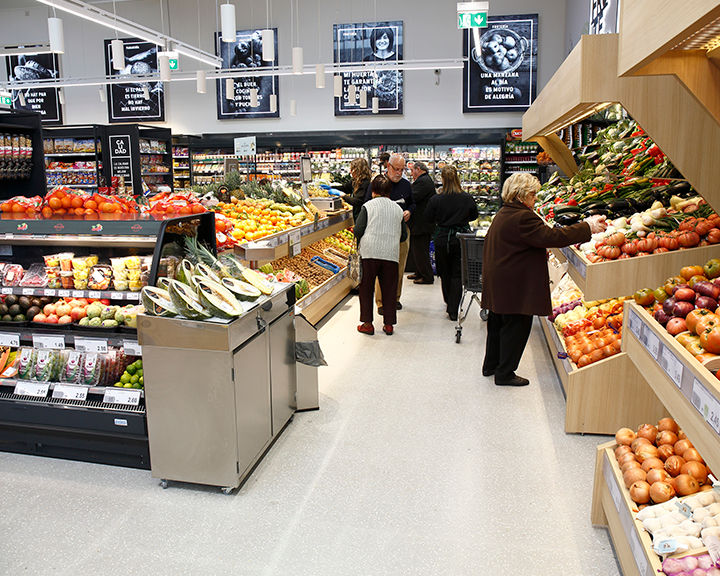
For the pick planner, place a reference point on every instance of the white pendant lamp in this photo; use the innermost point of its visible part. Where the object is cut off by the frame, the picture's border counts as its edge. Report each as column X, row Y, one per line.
column 146, row 93
column 268, row 45
column 297, row 60
column 319, row 75
column 254, row 98
column 201, row 82
column 56, row 35
column 164, row 64
column 293, row 107
column 352, row 94
column 273, row 103
column 61, row 96
column 21, row 98
column 375, row 105
column 337, row 86
column 118, row 54
column 363, row 98
column 229, row 88
column 227, row 22
column 101, row 92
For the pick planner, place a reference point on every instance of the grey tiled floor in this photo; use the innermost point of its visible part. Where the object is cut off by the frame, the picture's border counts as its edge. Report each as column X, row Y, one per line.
column 414, row 465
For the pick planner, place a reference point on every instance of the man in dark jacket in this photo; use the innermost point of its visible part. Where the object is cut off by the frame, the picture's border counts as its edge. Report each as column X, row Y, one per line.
column 423, row 188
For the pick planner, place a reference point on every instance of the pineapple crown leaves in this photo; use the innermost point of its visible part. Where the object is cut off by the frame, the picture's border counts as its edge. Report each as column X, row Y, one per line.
column 196, row 252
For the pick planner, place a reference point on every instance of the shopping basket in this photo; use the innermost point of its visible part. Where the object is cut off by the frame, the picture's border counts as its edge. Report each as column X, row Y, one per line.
column 471, row 254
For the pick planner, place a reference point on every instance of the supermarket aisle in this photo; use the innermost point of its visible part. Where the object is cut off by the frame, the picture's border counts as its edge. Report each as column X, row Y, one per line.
column 415, row 464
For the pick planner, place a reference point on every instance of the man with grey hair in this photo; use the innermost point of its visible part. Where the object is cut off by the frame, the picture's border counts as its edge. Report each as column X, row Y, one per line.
column 421, row 229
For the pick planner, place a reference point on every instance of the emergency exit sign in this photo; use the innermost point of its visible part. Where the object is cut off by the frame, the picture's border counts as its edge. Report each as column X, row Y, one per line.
column 472, row 14
column 5, row 100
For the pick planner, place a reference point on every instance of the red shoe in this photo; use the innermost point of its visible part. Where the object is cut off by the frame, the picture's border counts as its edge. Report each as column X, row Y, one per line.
column 388, row 329
column 367, row 328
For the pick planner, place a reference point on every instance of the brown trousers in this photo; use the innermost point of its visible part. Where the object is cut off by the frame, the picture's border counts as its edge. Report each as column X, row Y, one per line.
column 404, row 248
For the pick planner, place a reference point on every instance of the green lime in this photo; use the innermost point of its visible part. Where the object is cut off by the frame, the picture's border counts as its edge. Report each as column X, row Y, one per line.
column 137, row 385
column 128, row 386
column 130, row 369
column 134, row 379
column 141, row 380
column 125, row 378
column 118, row 384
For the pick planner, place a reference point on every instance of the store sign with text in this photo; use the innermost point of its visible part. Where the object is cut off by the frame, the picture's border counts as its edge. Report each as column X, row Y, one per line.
column 245, row 54
column 126, row 102
column 368, row 43
column 500, row 71
column 121, row 158
column 44, row 101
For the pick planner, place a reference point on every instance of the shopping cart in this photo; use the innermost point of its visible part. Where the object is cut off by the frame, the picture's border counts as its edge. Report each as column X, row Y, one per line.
column 471, row 254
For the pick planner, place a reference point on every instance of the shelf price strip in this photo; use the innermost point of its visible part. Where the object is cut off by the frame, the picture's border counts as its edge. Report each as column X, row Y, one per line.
column 35, row 389
column 707, row 405
column 132, row 348
column 94, row 345
column 12, row 340
column 575, row 260
column 48, row 342
column 70, row 392
column 122, row 396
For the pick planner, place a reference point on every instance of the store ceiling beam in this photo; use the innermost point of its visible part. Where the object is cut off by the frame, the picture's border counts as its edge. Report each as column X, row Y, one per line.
column 30, row 50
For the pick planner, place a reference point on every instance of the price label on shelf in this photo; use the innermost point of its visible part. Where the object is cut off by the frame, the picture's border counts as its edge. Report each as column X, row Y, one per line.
column 635, row 325
column 63, row 293
column 652, row 342
column 48, row 342
column 665, row 547
column 117, row 296
column 294, row 242
column 672, row 366
column 28, row 291
column 70, row 392
column 94, row 345
column 12, row 340
column 94, row 294
column 124, row 396
column 706, row 404
column 78, row 293
column 36, row 389
column 6, row 290
column 132, row 348
column 684, row 508
column 49, row 292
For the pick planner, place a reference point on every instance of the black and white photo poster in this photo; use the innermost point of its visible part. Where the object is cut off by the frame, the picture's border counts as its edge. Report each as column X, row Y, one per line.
column 127, row 102
column 45, row 101
column 245, row 54
column 500, row 73
column 370, row 42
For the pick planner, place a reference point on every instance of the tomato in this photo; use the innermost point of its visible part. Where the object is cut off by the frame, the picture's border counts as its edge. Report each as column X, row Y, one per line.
column 703, row 226
column 695, row 279
column 644, row 297
column 687, row 224
column 712, row 267
column 670, row 284
column 706, row 322
column 694, row 317
column 660, row 294
column 710, row 340
column 630, row 248
column 689, row 239
column 688, row 272
column 713, row 236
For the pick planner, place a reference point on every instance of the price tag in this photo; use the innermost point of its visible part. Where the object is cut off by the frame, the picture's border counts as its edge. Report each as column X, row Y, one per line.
column 684, row 508
column 70, row 392
column 6, row 290
column 133, row 296
column 706, row 404
column 672, row 366
column 665, row 547
column 652, row 343
column 132, row 348
column 295, row 242
column 63, row 293
column 94, row 345
column 78, row 293
column 117, row 296
column 36, row 389
column 713, row 546
column 635, row 325
column 125, row 396
column 9, row 339
column 49, row 292
column 94, row 294
column 48, row 342
column 28, row 291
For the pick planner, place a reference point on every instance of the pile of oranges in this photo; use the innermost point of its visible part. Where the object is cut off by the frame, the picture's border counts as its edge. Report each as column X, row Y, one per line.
column 251, row 219
column 182, row 204
column 65, row 202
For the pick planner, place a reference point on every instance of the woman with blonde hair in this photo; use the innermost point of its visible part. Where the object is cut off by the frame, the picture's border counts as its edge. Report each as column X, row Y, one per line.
column 515, row 279
column 451, row 209
column 355, row 190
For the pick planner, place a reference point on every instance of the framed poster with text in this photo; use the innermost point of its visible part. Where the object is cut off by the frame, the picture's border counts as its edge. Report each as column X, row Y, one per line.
column 370, row 42
column 500, row 71
column 245, row 54
column 126, row 102
column 44, row 101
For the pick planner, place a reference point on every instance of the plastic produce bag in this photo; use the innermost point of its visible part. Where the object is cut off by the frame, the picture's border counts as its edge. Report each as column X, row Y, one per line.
column 309, row 353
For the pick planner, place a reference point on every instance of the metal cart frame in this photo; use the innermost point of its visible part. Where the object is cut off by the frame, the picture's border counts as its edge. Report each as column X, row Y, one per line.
column 471, row 254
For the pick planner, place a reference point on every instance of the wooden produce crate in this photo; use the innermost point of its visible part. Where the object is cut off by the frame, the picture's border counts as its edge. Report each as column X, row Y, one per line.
column 315, row 305
column 604, row 396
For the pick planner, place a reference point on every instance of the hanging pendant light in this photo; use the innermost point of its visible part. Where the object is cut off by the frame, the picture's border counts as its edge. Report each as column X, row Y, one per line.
column 61, row 96
column 363, row 98
column 56, row 35
column 337, row 86
column 273, row 103
column 164, row 64
column 21, row 99
column 297, row 60
column 375, row 105
column 229, row 88
column 254, row 98
column 101, row 92
column 227, row 22
column 268, row 45
column 201, row 82
column 146, row 93
column 352, row 94
column 293, row 107
column 319, row 75
column 118, row 54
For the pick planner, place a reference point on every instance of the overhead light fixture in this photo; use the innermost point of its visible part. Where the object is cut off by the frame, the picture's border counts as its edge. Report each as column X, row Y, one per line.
column 337, row 86
column 352, row 94
column 227, row 22
column 125, row 26
column 31, row 50
column 375, row 105
column 201, row 82
column 118, row 54
column 21, row 98
column 146, row 93
column 273, row 103
column 254, row 103
column 297, row 60
column 56, row 35
column 229, row 89
column 164, row 66
column 268, row 45
column 101, row 92
column 61, row 96
column 293, row 107
column 363, row 98
column 320, row 76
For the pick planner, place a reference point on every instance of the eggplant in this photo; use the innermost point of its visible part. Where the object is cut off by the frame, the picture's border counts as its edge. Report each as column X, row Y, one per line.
column 681, row 189
column 662, row 195
column 596, row 212
column 567, row 219
column 644, row 203
column 596, row 205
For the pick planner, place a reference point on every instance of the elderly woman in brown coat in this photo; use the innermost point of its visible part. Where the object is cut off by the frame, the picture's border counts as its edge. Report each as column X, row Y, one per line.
column 516, row 284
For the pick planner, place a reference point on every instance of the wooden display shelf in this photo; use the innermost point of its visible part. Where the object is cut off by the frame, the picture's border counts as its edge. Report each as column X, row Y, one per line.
column 604, row 396
column 314, row 306
column 690, row 392
column 624, row 277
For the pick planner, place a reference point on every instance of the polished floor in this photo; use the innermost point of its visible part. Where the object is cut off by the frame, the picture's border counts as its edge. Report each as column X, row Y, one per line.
column 414, row 465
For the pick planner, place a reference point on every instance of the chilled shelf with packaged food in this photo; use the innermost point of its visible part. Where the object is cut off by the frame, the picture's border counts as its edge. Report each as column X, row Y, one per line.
column 73, row 156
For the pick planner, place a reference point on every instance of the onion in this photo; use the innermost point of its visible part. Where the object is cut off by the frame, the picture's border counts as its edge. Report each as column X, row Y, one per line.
column 713, row 571
column 673, row 566
column 692, row 454
column 630, row 464
column 682, row 445
column 661, row 492
column 646, row 452
column 650, row 463
column 696, row 470
column 681, row 435
column 686, row 484
column 633, row 475
column 635, row 445
column 622, row 449
column 668, row 424
column 705, row 488
column 666, row 437
column 691, row 562
column 671, row 480
column 629, row 457
column 648, row 431
column 624, row 436
column 674, row 464
column 640, row 492
column 665, row 451
column 656, row 475
column 704, row 561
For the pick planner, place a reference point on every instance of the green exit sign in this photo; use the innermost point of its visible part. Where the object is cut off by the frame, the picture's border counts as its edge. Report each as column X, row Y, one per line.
column 173, row 63
column 472, row 19
column 6, row 100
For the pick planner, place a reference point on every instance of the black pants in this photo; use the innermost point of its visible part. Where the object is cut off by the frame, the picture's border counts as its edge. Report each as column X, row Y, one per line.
column 420, row 256
column 507, row 335
column 387, row 274
column 447, row 260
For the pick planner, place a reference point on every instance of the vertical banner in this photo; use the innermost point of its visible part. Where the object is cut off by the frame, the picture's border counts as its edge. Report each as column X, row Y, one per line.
column 245, row 54
column 126, row 102
column 500, row 73
column 45, row 101
column 370, row 42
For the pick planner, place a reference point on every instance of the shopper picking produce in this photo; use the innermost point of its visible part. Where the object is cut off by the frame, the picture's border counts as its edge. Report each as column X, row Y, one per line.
column 516, row 285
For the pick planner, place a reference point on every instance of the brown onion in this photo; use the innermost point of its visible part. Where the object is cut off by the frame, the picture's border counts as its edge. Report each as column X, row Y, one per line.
column 671, row 480
column 696, row 469
column 639, row 443
column 666, row 437
column 686, row 484
column 692, row 454
column 624, row 436
column 656, row 475
column 674, row 464
column 630, row 464
column 665, row 451
column 640, row 492
column 648, row 431
column 629, row 457
column 668, row 424
column 622, row 449
column 661, row 492
column 646, row 452
column 705, row 487
column 650, row 463
column 681, row 435
column 682, row 445
column 633, row 475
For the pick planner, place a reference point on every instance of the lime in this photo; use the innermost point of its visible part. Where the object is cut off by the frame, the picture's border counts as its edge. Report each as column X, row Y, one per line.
column 118, row 384
column 134, row 379
column 141, row 380
column 125, row 378
column 130, row 369
column 128, row 386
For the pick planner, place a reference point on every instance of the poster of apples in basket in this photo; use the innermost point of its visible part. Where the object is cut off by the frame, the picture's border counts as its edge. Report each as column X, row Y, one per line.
column 500, row 71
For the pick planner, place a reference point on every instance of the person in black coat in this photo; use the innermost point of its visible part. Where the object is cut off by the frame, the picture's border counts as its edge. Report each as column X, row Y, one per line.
column 354, row 191
column 421, row 229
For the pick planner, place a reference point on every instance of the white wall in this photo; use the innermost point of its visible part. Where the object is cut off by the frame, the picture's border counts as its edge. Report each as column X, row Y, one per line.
column 578, row 15
column 430, row 32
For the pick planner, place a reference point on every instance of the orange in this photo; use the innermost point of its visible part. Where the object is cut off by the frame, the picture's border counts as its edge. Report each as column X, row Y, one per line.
column 76, row 202
column 66, row 202
column 197, row 208
column 91, row 204
column 55, row 203
column 47, row 212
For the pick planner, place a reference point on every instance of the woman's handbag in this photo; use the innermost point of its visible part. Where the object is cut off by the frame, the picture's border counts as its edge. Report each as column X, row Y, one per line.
column 355, row 267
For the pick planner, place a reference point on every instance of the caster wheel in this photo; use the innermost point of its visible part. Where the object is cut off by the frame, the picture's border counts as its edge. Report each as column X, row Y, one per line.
column 458, row 335
column 227, row 490
column 484, row 315
column 163, row 484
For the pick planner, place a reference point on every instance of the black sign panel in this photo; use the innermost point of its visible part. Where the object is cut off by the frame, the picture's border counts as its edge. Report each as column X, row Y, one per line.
column 45, row 101
column 121, row 158
column 500, row 73
column 370, row 42
column 244, row 54
column 126, row 102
